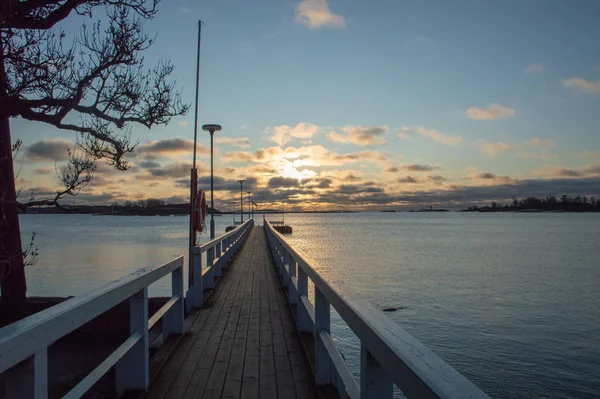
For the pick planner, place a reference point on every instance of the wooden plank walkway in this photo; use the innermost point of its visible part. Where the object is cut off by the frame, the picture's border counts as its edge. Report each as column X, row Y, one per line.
column 243, row 343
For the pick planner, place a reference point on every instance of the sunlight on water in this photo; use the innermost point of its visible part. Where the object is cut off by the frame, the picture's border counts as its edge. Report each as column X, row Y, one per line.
column 510, row 300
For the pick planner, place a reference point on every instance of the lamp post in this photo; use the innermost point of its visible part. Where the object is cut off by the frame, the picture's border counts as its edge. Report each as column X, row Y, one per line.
column 212, row 129
column 241, row 200
column 249, row 203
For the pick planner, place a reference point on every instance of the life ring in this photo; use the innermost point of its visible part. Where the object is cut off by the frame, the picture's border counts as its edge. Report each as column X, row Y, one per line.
column 200, row 210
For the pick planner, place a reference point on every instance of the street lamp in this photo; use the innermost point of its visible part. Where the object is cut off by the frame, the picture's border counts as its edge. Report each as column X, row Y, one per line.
column 212, row 129
column 249, row 202
column 241, row 200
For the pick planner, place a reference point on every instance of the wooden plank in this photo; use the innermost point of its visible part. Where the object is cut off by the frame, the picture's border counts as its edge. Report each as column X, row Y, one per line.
column 250, row 373
column 187, row 352
column 233, row 381
column 267, row 377
column 218, row 372
column 213, row 337
column 283, row 371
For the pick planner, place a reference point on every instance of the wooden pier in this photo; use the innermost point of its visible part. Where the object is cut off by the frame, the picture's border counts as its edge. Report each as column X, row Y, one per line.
column 245, row 328
column 243, row 343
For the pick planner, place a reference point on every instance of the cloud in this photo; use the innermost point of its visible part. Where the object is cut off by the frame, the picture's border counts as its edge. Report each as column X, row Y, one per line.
column 413, row 168
column 493, row 111
column 437, row 179
column 317, row 182
column 486, row 175
column 49, row 150
column 316, row 14
column 44, row 171
column 534, row 68
column 495, row 149
column 360, row 135
column 170, row 147
column 173, row 170
column 406, row 131
column 287, row 182
column 407, row 179
column 539, row 143
column 284, row 134
column 582, row 85
column 241, row 142
column 185, row 10
column 183, row 123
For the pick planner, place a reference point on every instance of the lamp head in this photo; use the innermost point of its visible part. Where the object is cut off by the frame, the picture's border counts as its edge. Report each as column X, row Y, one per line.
column 211, row 128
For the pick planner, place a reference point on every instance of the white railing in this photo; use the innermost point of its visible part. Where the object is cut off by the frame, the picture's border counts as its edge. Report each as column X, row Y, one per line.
column 24, row 344
column 219, row 253
column 389, row 355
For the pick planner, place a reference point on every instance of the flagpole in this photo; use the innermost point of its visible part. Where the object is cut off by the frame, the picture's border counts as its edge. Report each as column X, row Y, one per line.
column 194, row 171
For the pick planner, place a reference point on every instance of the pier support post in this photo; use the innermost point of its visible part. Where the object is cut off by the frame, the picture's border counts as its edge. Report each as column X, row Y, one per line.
column 375, row 383
column 293, row 281
column 173, row 320
column 132, row 371
column 304, row 321
column 218, row 263
column 322, row 322
column 198, row 289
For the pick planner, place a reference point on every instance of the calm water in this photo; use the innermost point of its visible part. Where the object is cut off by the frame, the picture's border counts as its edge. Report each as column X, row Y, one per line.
column 510, row 300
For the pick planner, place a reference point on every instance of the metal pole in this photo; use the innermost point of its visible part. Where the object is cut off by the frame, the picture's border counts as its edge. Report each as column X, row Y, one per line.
column 241, row 201
column 212, row 195
column 194, row 172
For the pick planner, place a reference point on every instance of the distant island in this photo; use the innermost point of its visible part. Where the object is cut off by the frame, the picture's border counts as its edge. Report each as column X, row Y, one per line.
column 549, row 203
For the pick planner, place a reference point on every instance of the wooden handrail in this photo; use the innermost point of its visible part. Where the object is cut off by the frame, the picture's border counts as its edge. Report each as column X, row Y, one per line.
column 29, row 338
column 389, row 354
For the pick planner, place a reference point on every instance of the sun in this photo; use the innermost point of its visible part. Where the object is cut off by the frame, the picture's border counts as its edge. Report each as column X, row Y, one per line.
column 290, row 171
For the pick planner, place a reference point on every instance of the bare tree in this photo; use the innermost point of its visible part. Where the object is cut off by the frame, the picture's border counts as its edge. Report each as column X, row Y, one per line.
column 94, row 84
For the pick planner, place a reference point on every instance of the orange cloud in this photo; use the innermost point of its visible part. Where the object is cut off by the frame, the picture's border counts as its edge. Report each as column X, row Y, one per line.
column 493, row 111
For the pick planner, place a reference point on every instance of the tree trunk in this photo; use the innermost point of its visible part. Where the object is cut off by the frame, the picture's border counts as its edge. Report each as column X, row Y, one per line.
column 12, row 267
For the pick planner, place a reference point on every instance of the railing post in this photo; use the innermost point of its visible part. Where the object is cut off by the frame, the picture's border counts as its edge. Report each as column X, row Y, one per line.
column 304, row 322
column 284, row 263
column 198, row 288
column 132, row 371
column 173, row 320
column 28, row 379
column 217, row 265
column 322, row 322
column 293, row 292
column 210, row 275
column 375, row 383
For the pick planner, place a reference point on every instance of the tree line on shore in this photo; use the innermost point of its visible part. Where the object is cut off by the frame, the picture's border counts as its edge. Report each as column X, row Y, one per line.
column 564, row 203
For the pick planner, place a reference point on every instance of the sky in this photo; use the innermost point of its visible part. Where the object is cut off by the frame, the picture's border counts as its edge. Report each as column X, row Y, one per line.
column 330, row 104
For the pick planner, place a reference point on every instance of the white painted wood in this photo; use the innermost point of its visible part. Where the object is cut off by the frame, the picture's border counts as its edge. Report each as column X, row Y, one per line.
column 20, row 340
column 306, row 314
column 132, row 370
column 293, row 291
column 375, row 383
column 208, row 278
column 346, row 378
column 198, row 290
column 174, row 318
column 217, row 260
column 286, row 276
column 23, row 345
column 28, row 379
column 84, row 385
column 40, row 374
column 161, row 312
column 414, row 368
column 322, row 323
